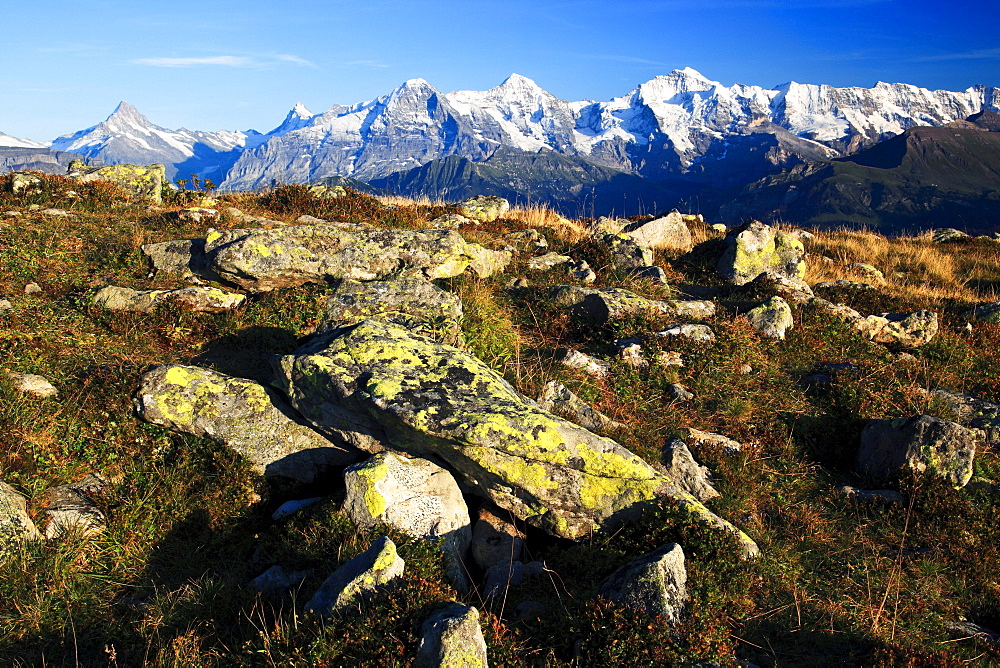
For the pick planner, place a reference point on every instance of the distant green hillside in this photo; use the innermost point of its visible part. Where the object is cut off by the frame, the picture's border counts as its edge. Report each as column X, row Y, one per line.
column 574, row 186
column 945, row 177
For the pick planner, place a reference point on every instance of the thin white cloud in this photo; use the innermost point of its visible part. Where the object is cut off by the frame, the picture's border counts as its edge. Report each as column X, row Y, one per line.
column 978, row 54
column 259, row 62
column 365, row 63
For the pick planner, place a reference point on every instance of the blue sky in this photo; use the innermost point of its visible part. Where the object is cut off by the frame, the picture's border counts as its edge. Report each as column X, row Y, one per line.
column 220, row 64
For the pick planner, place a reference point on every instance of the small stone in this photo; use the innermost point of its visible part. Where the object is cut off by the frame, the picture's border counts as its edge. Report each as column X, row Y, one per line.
column 547, row 261
column 359, row 579
column 276, row 580
column 16, row 526
column 872, row 495
column 527, row 240
column 654, row 274
column 708, row 439
column 581, row 271
column 574, row 359
column 699, row 333
column 452, row 638
column 57, row 213
column 289, row 508
column 32, row 289
column 678, row 392
column 669, row 358
column 484, row 208
column 72, row 508
column 35, row 385
column 557, row 398
column 632, row 355
column 745, row 370
column 5, row 305
column 772, row 319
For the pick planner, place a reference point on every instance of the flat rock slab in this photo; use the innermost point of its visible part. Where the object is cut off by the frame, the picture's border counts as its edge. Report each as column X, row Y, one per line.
column 359, row 579
column 33, row 384
column 72, row 508
column 615, row 303
column 241, row 414
column 261, row 260
column 202, row 299
column 452, row 638
column 439, row 401
column 414, row 303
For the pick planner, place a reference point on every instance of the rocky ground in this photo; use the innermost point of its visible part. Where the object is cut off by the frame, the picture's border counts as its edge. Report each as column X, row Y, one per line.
column 308, row 427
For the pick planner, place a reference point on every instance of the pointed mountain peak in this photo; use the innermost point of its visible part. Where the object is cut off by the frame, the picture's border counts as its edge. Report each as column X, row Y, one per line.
column 519, row 81
column 125, row 110
column 300, row 111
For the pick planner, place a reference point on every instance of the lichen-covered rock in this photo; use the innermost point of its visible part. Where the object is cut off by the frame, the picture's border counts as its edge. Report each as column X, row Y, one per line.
column 557, row 398
column 327, row 192
column 624, row 252
column 72, row 509
column 668, row 232
column 16, row 526
column 909, row 330
column 985, row 312
column 450, row 221
column 655, row 583
column 755, row 248
column 144, row 182
column 843, row 285
column 686, row 472
column 526, row 240
column 359, row 579
column 414, row 496
column 615, row 303
column 772, row 319
column 33, row 384
column 452, row 638
column 547, row 261
column 484, row 208
column 867, row 271
column 436, row 400
column 792, row 288
column 495, row 541
column 414, row 303
column 948, row 234
column 921, row 443
column 25, row 182
column 262, row 259
column 200, row 298
column 973, row 413
column 581, row 271
column 245, row 416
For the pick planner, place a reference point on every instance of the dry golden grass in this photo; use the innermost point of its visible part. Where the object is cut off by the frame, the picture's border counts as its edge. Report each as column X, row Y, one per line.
column 914, row 267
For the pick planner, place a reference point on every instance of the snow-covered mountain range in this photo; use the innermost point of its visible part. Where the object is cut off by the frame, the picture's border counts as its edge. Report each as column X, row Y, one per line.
column 680, row 125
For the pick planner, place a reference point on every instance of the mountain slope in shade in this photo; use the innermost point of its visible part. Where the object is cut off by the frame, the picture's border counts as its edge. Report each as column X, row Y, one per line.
column 15, row 158
column 127, row 136
column 571, row 185
column 946, row 177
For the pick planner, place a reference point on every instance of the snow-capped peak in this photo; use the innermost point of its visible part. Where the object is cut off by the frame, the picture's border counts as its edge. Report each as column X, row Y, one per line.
column 7, row 141
column 298, row 117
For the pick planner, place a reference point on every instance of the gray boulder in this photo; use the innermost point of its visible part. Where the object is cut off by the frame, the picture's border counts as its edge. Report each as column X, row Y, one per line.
column 668, row 232
column 574, row 359
column 72, row 509
column 439, row 401
column 689, row 475
column 243, row 415
column 414, row 496
column 655, row 583
column 921, row 443
column 16, row 526
column 909, row 330
column 700, row 333
column 502, row 576
column 276, row 580
column 701, row 439
column 948, row 234
column 559, row 399
column 452, row 638
column 755, row 248
column 144, row 182
column 772, row 319
column 359, row 580
column 526, row 240
column 201, row 299
column 183, row 257
column 414, row 303
column 484, row 208
column 547, row 261
column 625, row 252
column 261, row 260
